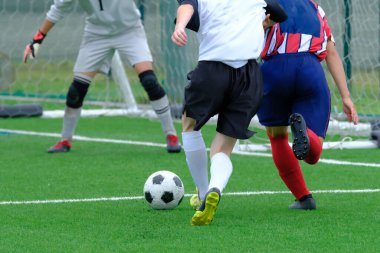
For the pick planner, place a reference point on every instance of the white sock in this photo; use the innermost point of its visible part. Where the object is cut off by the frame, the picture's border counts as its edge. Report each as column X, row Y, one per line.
column 197, row 160
column 221, row 170
column 70, row 120
column 162, row 109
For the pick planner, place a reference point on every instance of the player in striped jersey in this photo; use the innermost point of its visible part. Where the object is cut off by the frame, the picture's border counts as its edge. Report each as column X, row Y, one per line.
column 296, row 92
column 110, row 25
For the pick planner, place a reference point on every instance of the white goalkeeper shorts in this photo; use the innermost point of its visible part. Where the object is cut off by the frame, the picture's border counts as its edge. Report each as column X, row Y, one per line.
column 96, row 51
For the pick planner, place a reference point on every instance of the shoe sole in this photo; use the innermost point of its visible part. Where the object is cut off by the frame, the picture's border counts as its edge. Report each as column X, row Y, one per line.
column 311, row 205
column 52, row 151
column 301, row 141
column 206, row 216
column 174, row 150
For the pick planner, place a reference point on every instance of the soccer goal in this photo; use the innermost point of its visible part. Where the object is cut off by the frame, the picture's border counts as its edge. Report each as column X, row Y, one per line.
column 44, row 81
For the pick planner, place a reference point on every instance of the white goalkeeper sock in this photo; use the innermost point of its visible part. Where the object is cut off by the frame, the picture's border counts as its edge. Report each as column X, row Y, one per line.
column 70, row 120
column 221, row 170
column 197, row 160
column 72, row 115
column 162, row 109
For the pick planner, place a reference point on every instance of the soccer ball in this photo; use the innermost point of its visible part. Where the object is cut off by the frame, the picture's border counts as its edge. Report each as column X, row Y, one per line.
column 163, row 190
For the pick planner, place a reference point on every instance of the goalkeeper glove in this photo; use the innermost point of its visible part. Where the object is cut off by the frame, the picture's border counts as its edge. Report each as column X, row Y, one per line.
column 32, row 48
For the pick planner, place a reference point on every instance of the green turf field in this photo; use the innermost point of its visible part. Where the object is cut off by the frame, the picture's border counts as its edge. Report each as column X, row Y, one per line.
column 348, row 221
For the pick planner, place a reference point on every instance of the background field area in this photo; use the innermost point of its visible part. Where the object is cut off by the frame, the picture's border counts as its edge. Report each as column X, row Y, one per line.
column 355, row 26
column 345, row 184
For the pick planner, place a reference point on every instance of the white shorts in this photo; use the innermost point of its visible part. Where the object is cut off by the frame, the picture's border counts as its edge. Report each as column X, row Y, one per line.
column 96, row 51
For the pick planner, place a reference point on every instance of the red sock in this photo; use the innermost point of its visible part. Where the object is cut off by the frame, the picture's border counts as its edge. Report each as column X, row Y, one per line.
column 288, row 166
column 315, row 148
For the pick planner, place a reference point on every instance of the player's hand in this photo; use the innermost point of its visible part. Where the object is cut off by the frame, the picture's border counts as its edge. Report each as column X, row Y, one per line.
column 179, row 36
column 268, row 22
column 350, row 111
column 31, row 49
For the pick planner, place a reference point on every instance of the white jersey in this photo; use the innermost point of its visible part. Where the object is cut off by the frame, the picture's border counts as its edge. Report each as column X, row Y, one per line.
column 231, row 31
column 104, row 17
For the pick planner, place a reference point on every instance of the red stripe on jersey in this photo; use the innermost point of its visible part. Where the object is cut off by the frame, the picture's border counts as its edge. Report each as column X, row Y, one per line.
column 293, row 43
column 268, row 36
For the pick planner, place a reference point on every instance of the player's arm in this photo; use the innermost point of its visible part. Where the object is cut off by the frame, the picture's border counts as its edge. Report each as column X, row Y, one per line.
column 31, row 49
column 184, row 14
column 335, row 66
column 57, row 11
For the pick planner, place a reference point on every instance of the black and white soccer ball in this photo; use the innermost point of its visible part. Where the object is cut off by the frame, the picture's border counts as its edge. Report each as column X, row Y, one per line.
column 164, row 190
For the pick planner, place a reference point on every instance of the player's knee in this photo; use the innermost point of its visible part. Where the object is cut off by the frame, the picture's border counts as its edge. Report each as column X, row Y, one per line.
column 76, row 94
column 149, row 81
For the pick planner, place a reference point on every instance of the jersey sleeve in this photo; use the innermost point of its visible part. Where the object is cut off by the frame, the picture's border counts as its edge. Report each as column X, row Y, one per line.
column 59, row 10
column 276, row 11
column 325, row 24
column 194, row 22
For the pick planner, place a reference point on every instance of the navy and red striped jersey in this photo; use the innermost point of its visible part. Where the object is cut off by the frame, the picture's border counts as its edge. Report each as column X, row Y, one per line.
column 306, row 30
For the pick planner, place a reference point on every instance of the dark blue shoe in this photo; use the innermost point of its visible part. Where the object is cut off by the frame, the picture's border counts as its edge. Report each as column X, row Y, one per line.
column 301, row 141
column 305, row 204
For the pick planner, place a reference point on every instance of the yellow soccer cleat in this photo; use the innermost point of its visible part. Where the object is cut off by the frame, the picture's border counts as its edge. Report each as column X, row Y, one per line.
column 195, row 201
column 205, row 214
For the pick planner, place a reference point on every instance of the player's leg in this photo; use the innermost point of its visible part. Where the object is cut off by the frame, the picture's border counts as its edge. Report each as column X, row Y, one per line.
column 196, row 159
column 313, row 105
column 243, row 95
column 220, row 172
column 159, row 102
column 276, row 107
column 74, row 101
column 133, row 48
column 288, row 166
column 203, row 99
column 307, row 145
column 93, row 53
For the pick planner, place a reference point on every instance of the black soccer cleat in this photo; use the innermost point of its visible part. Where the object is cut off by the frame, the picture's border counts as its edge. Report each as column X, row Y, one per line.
column 306, row 204
column 301, row 141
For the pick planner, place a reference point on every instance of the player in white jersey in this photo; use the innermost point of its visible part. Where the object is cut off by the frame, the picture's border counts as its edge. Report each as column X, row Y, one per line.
column 110, row 25
column 227, row 81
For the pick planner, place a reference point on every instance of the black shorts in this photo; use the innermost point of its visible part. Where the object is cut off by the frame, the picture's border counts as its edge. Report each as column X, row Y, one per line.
column 234, row 94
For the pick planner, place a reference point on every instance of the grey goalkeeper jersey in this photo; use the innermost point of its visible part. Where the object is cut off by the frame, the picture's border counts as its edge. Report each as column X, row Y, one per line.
column 104, row 17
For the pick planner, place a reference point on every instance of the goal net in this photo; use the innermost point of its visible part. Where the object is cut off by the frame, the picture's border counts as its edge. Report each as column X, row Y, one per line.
column 45, row 81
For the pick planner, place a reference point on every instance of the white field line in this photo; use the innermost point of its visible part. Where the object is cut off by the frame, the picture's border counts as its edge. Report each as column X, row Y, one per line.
column 251, row 193
column 152, row 144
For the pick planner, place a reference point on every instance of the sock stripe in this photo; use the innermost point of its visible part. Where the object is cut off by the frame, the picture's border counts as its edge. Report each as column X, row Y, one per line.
column 162, row 110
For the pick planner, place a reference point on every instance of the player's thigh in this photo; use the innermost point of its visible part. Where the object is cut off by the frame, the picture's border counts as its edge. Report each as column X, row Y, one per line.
column 95, row 54
column 133, row 46
column 278, row 81
column 314, row 101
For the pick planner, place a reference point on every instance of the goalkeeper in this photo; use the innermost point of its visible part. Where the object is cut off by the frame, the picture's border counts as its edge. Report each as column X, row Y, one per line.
column 110, row 25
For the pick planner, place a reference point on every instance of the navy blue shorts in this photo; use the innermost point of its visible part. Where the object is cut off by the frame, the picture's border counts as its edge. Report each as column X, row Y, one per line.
column 295, row 83
column 233, row 94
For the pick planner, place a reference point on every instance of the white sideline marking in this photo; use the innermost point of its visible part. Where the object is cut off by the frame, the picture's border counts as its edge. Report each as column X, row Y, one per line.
column 152, row 144
column 59, row 201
